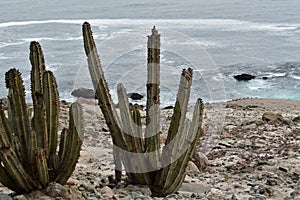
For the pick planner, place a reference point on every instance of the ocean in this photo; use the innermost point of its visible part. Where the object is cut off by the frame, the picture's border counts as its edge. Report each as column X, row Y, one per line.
column 218, row 39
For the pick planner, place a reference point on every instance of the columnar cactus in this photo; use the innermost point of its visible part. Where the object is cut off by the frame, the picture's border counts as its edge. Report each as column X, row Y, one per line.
column 167, row 166
column 28, row 144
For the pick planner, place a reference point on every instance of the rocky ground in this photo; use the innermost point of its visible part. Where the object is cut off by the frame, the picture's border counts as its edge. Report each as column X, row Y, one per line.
column 251, row 151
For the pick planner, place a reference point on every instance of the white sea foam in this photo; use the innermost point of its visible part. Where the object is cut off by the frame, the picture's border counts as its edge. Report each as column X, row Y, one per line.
column 223, row 24
column 51, row 39
column 295, row 77
column 276, row 75
column 6, row 44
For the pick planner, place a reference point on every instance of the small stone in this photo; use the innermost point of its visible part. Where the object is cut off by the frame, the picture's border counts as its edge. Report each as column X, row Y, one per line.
column 145, row 190
column 192, row 168
column 273, row 118
column 6, row 197
column 19, row 197
column 201, row 160
column 215, row 194
column 88, row 187
column 38, row 195
column 226, row 134
column 56, row 190
column 72, row 181
column 107, row 192
column 282, row 169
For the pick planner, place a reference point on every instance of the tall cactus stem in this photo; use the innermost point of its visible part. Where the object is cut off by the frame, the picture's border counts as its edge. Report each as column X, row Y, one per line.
column 42, row 167
column 74, row 138
column 152, row 133
column 18, row 107
column 101, row 88
column 51, row 102
column 38, row 69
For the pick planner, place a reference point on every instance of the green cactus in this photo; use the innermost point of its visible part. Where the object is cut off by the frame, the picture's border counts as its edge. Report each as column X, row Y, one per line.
column 28, row 144
column 168, row 167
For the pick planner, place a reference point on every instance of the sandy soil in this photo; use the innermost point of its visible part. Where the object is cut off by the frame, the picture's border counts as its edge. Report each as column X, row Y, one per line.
column 249, row 157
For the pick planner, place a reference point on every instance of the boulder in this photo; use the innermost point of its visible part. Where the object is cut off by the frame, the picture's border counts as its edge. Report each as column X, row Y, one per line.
column 56, row 190
column 84, row 93
column 107, row 192
column 192, row 168
column 297, row 120
column 200, row 160
column 135, row 96
column 273, row 118
column 244, row 77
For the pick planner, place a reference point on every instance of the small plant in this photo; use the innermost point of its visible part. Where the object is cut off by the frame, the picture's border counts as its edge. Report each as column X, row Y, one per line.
column 163, row 171
column 29, row 137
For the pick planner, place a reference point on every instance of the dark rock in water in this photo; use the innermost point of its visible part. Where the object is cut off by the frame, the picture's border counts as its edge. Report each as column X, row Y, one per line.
column 168, row 107
column 135, row 96
column 265, row 78
column 244, row 77
column 84, row 93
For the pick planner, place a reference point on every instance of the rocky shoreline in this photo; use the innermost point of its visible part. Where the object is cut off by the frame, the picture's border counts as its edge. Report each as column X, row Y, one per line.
column 251, row 151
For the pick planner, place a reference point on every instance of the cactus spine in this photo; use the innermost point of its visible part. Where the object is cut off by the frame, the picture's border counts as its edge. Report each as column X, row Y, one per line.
column 28, row 145
column 168, row 167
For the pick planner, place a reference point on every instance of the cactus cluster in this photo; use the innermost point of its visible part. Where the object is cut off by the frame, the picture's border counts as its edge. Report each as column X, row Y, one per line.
column 29, row 154
column 162, row 168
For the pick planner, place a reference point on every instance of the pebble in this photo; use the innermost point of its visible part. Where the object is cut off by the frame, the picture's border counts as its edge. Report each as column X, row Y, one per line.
column 107, row 192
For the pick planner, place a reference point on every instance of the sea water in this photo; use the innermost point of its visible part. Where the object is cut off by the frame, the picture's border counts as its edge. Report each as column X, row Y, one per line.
column 261, row 38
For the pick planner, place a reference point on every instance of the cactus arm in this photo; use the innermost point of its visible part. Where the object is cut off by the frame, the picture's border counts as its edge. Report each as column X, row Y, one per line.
column 153, row 100
column 5, row 123
column 38, row 68
column 176, row 127
column 180, row 109
column 127, row 123
column 5, row 133
column 73, row 144
column 101, row 88
column 32, row 150
column 118, row 164
column 16, row 145
column 63, row 144
column 51, row 101
column 133, row 140
column 42, row 167
column 18, row 108
column 12, row 164
column 136, row 117
column 194, row 133
column 8, row 181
